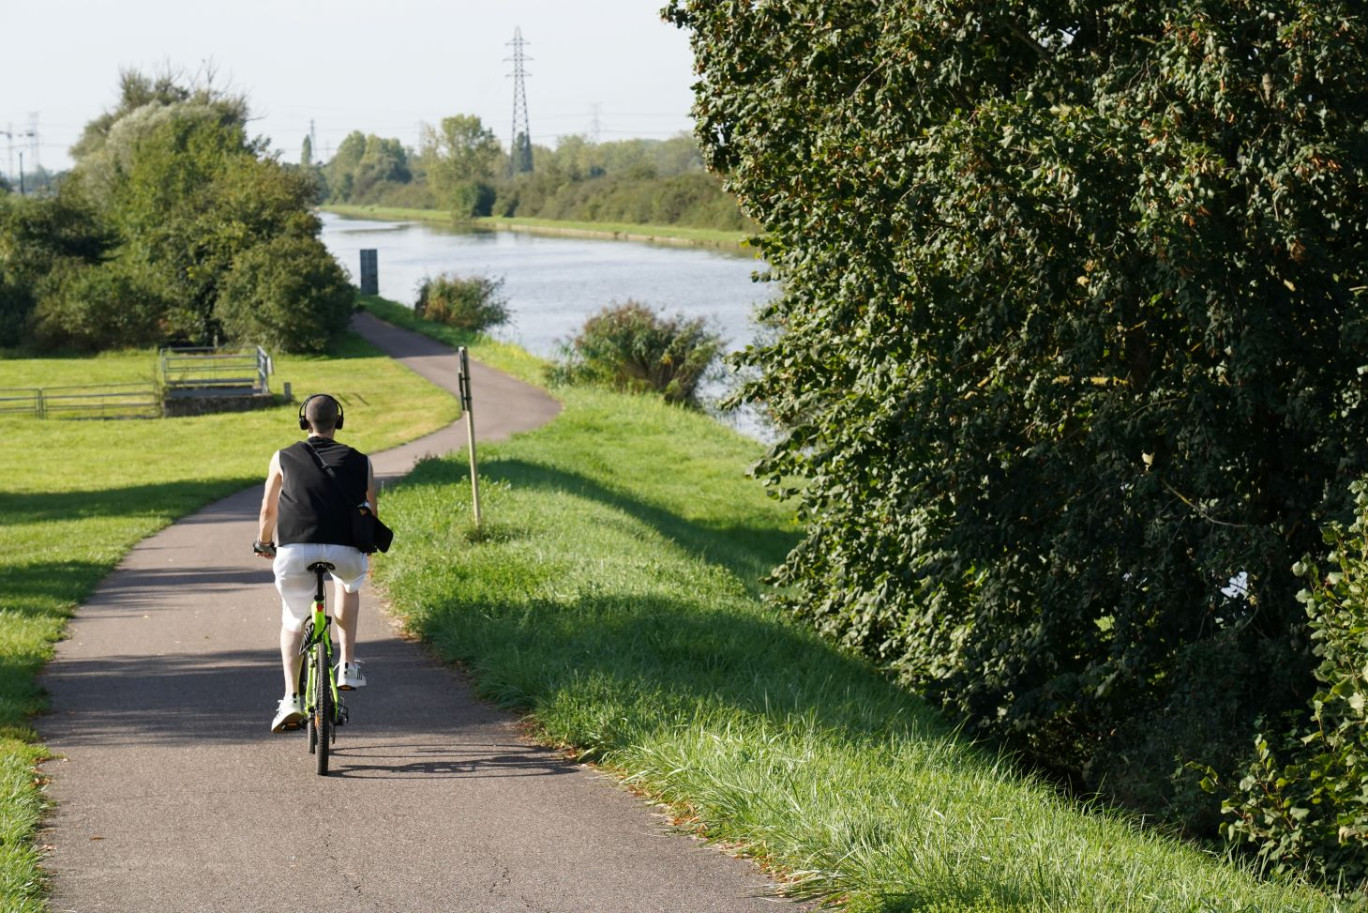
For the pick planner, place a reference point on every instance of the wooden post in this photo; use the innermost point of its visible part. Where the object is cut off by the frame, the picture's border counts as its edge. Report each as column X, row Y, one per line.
column 470, row 429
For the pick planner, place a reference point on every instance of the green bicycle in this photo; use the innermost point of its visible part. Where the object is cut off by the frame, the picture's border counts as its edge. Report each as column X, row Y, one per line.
column 323, row 708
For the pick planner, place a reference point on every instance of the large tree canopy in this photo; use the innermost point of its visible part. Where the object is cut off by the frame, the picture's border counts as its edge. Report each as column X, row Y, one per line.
column 183, row 200
column 1071, row 335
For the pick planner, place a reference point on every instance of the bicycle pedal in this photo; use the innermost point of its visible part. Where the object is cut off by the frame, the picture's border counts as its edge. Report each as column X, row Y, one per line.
column 343, row 714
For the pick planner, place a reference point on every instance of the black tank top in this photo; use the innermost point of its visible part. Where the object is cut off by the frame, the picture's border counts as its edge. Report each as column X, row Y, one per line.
column 311, row 508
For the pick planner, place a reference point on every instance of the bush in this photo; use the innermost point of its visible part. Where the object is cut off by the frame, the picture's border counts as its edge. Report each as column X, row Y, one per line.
column 471, row 303
column 1304, row 805
column 115, row 305
column 287, row 294
column 630, row 347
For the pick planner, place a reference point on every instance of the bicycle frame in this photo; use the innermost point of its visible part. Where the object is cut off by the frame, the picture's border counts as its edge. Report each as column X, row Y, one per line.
column 322, row 705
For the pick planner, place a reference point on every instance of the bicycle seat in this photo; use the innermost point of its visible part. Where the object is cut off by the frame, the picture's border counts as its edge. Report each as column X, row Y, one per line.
column 320, row 566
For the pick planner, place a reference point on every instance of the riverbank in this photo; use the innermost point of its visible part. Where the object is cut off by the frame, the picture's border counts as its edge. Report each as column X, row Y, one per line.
column 613, row 594
column 731, row 241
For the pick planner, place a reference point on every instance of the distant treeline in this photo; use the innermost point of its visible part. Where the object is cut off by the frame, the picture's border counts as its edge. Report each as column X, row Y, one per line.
column 461, row 167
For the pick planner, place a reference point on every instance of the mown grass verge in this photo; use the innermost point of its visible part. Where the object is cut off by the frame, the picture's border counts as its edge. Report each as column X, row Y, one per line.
column 79, row 494
column 612, row 594
column 622, row 231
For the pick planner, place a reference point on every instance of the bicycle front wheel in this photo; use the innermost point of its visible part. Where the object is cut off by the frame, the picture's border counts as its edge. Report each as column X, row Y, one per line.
column 323, row 706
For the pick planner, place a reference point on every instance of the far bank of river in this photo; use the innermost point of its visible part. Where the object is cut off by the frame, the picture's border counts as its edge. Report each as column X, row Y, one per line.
column 735, row 242
column 554, row 284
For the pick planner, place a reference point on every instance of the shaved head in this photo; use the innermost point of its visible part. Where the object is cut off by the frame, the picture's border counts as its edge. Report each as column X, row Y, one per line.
column 321, row 413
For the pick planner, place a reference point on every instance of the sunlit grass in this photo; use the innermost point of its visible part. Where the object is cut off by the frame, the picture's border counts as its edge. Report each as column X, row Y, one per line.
column 79, row 493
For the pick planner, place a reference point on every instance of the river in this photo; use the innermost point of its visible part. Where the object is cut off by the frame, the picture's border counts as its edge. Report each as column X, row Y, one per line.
column 554, row 284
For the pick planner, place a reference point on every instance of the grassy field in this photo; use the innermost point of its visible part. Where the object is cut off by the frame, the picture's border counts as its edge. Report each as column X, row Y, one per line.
column 612, row 594
column 79, row 494
column 624, row 231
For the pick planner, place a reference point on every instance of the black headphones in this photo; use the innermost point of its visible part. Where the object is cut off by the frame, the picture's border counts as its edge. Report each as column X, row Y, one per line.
column 304, row 422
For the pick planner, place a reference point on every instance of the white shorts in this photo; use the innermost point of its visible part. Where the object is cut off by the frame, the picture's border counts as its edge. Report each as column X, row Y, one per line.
column 296, row 582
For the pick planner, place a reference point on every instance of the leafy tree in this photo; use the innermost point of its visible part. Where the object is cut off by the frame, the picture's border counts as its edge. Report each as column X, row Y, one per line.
column 37, row 236
column 306, row 153
column 187, row 192
column 1071, row 329
column 462, row 160
column 286, row 294
column 362, row 164
column 165, row 89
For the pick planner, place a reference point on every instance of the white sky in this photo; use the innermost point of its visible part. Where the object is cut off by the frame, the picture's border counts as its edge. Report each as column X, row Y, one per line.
column 381, row 66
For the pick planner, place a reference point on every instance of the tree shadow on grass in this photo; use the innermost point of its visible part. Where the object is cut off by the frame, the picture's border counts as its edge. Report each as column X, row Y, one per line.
column 748, row 551
column 160, row 498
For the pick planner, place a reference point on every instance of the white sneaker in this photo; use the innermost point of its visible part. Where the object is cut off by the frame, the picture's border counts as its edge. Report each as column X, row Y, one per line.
column 350, row 676
column 289, row 714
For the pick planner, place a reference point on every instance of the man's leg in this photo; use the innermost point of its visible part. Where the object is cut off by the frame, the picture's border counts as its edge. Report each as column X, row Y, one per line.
column 348, row 610
column 290, row 657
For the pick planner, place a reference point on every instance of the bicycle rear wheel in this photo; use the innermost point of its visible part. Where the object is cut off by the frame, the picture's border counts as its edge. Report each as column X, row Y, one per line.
column 323, row 707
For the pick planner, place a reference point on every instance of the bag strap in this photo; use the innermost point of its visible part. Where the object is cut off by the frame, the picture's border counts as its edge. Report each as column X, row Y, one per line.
column 327, row 470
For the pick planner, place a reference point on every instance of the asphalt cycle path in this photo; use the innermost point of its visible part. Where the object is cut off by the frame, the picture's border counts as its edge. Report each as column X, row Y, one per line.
column 172, row 795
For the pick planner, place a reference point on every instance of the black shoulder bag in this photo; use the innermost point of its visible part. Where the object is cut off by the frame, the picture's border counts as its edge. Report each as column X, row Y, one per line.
column 369, row 534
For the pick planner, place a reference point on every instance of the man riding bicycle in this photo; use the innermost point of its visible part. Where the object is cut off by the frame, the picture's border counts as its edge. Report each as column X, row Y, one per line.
column 313, row 488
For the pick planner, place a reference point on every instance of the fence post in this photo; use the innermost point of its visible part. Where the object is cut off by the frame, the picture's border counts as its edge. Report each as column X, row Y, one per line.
column 39, row 405
column 464, row 384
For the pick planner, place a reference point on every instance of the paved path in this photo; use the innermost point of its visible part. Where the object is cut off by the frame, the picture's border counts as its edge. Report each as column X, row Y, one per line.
column 171, row 794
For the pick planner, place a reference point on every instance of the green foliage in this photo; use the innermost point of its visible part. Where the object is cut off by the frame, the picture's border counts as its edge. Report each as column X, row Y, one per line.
column 631, row 347
column 364, row 166
column 659, row 182
column 37, row 236
column 168, row 186
column 115, row 305
column 1305, row 805
column 462, row 159
column 470, row 303
column 286, row 294
column 1071, row 325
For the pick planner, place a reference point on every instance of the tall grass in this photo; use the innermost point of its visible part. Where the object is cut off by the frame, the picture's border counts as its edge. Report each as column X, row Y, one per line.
column 79, row 494
column 613, row 595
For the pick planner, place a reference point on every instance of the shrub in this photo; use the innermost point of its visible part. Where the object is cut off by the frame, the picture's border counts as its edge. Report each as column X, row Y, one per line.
column 631, row 347
column 1304, row 805
column 471, row 303
column 90, row 308
column 286, row 294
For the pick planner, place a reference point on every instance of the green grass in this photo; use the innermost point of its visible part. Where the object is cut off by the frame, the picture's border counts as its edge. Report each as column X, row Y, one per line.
column 612, row 594
column 626, row 231
column 79, row 494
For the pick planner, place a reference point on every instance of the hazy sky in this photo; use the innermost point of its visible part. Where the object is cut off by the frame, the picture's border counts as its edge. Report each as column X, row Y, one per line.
column 381, row 66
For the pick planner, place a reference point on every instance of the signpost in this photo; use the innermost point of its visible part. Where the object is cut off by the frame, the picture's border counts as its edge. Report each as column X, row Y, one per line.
column 470, row 428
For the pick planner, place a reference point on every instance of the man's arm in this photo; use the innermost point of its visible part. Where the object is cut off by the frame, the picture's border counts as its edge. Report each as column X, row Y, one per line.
column 270, row 501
